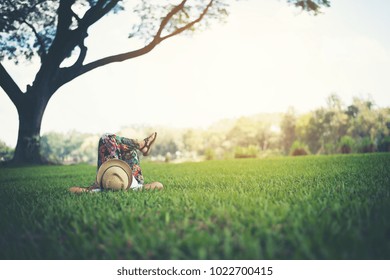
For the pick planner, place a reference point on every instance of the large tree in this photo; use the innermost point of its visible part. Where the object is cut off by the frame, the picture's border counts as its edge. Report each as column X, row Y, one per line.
column 53, row 30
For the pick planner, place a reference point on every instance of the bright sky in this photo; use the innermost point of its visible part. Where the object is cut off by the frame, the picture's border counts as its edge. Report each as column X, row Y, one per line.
column 267, row 57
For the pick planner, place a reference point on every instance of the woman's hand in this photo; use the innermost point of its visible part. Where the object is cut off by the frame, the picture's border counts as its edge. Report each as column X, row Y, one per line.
column 154, row 186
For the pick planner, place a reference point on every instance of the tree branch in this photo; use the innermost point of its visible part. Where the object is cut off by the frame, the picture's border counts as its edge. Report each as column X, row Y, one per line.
column 77, row 69
column 169, row 16
column 9, row 86
column 67, row 74
column 83, row 54
column 109, row 6
column 110, row 59
column 190, row 24
column 42, row 46
column 76, row 17
column 67, row 40
column 97, row 12
column 65, row 14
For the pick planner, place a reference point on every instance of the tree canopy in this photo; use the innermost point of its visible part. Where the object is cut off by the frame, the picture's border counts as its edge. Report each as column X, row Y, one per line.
column 31, row 27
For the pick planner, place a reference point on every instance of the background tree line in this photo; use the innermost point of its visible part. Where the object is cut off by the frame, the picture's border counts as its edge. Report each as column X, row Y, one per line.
column 361, row 127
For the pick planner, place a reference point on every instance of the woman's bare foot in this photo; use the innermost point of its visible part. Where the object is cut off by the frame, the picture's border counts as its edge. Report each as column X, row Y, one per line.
column 146, row 144
column 154, row 186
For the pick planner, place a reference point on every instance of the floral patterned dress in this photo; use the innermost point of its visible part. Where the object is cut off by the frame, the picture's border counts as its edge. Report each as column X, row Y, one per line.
column 113, row 146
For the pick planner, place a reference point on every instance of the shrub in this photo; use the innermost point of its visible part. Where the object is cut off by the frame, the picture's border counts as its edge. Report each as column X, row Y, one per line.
column 6, row 153
column 330, row 148
column 228, row 155
column 299, row 149
column 365, row 145
column 168, row 157
column 246, row 152
column 384, row 144
column 271, row 153
column 209, row 154
column 346, row 145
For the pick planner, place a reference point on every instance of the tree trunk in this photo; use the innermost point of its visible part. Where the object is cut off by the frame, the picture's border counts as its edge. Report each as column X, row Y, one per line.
column 30, row 118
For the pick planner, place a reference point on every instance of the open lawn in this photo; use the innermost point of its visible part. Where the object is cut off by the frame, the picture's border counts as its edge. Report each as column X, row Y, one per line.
column 317, row 207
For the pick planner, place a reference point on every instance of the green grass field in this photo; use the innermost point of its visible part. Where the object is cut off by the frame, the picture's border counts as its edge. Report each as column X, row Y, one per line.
column 318, row 207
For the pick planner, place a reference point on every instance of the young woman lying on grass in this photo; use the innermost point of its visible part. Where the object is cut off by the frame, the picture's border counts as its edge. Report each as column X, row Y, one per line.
column 119, row 164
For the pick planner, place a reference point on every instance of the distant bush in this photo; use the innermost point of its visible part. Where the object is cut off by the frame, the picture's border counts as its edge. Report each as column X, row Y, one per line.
column 228, row 155
column 346, row 145
column 246, row 152
column 365, row 145
column 69, row 148
column 209, row 154
column 271, row 153
column 299, row 149
column 384, row 144
column 168, row 157
column 329, row 148
column 6, row 153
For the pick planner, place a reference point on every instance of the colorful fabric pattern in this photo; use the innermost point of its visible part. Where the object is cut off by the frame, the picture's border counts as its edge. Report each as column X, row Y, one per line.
column 113, row 146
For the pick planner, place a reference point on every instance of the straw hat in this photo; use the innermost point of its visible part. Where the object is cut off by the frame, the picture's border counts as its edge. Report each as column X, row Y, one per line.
column 114, row 174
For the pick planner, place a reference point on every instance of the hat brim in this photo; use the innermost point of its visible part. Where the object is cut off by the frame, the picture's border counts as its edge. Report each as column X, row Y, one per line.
column 114, row 162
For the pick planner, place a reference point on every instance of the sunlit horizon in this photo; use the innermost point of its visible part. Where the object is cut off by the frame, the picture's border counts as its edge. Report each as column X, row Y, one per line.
column 267, row 57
